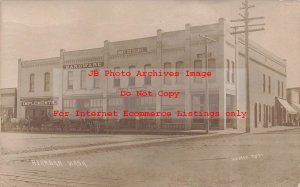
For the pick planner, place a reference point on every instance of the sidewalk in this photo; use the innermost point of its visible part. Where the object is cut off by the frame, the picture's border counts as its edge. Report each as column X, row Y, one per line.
column 274, row 128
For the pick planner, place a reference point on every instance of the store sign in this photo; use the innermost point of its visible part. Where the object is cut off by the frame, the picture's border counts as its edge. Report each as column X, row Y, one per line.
column 44, row 102
column 85, row 65
column 132, row 51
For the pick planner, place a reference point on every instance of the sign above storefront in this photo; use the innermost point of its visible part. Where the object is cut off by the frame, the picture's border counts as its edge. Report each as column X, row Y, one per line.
column 132, row 51
column 85, row 65
column 39, row 102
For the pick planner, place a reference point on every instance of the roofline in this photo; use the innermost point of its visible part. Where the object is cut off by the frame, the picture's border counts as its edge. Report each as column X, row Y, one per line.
column 41, row 59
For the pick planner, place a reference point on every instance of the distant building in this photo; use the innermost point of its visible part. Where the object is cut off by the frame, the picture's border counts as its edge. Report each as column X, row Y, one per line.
column 8, row 104
column 62, row 83
column 38, row 91
column 293, row 97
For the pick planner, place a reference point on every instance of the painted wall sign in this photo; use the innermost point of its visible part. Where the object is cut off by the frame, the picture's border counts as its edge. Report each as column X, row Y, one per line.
column 86, row 65
column 132, row 51
column 44, row 102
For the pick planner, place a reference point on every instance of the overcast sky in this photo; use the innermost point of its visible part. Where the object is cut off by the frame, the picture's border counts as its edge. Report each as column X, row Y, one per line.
column 38, row 29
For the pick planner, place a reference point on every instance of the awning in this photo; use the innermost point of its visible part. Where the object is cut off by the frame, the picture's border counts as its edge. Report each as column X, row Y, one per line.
column 287, row 106
column 296, row 107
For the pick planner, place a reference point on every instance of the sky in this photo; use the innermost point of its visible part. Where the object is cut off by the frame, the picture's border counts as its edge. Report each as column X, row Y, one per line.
column 39, row 29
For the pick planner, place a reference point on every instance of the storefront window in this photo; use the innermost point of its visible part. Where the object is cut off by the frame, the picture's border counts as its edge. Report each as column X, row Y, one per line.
column 96, row 102
column 148, row 100
column 115, row 101
column 70, row 103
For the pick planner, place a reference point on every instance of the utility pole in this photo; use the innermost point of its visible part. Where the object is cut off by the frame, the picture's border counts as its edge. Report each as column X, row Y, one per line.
column 245, row 19
column 206, row 38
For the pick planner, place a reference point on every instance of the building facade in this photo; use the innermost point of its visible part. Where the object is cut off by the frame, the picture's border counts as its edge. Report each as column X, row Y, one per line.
column 63, row 83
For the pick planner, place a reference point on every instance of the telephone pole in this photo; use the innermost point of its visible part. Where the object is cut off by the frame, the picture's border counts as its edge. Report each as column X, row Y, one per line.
column 245, row 20
column 206, row 38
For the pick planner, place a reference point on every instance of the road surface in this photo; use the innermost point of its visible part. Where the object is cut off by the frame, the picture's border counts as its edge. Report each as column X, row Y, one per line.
column 268, row 159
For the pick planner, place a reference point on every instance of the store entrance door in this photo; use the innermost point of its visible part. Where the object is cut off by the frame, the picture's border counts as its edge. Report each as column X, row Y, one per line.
column 37, row 115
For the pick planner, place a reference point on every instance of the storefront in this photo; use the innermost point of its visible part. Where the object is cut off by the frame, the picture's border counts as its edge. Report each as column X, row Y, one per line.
column 38, row 110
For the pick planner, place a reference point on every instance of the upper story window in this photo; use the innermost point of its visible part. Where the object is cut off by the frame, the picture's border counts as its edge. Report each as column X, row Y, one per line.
column 147, row 79
column 180, row 69
column 228, row 71
column 259, row 112
column 232, row 72
column 70, row 79
column 31, row 83
column 269, row 88
column 278, row 85
column 282, row 90
column 212, row 66
column 47, row 82
column 264, row 82
column 198, row 67
column 167, row 67
column 117, row 79
column 132, row 77
column 97, row 81
column 83, row 79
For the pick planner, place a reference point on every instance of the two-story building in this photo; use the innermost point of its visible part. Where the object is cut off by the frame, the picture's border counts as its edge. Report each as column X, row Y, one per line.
column 72, row 90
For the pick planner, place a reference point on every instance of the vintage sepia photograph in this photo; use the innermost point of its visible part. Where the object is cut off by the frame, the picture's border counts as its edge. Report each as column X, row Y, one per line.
column 149, row 93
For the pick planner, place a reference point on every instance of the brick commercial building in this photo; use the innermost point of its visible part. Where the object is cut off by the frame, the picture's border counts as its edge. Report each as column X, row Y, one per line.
column 62, row 83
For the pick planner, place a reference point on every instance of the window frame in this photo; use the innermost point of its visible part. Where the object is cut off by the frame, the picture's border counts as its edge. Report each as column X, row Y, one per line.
column 180, row 78
column 228, row 70
column 47, row 82
column 83, row 79
column 131, row 79
column 167, row 80
column 31, row 82
column 147, row 79
column 116, row 79
column 70, row 81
